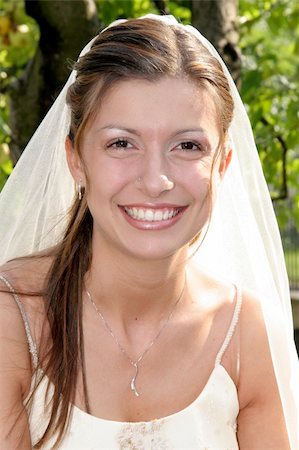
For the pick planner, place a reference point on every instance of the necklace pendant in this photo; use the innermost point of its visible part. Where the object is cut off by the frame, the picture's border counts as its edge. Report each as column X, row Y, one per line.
column 133, row 386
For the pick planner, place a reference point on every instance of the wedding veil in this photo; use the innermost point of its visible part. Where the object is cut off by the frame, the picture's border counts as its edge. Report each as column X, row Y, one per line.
column 243, row 242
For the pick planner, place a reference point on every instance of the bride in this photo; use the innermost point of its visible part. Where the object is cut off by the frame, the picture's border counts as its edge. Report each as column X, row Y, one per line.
column 150, row 311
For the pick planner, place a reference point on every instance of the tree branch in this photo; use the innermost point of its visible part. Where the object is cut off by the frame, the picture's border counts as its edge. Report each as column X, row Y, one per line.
column 218, row 22
column 65, row 26
column 161, row 6
column 284, row 185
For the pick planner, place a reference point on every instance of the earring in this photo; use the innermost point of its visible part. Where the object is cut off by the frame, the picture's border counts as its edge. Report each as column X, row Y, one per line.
column 139, row 179
column 79, row 190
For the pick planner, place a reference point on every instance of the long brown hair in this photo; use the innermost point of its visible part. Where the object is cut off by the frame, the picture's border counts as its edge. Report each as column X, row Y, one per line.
column 142, row 49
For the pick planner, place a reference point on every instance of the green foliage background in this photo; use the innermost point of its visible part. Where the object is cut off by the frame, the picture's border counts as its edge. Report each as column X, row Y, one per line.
column 270, row 84
column 270, row 89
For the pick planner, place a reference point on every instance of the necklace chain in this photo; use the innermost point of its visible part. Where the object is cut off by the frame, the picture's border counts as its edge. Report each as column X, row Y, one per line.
column 121, row 348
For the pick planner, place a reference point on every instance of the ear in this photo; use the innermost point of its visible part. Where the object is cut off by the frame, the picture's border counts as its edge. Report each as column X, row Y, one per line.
column 74, row 162
column 226, row 159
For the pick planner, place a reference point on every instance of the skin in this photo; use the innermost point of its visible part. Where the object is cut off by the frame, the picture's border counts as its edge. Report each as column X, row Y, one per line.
column 169, row 175
column 138, row 271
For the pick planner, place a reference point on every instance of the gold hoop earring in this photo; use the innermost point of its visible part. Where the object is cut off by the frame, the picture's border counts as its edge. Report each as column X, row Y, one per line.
column 79, row 190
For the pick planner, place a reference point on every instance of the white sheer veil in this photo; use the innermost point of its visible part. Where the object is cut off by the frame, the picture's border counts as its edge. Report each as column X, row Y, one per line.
column 243, row 242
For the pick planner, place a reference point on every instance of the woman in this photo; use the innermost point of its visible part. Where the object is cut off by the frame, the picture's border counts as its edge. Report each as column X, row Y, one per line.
column 132, row 344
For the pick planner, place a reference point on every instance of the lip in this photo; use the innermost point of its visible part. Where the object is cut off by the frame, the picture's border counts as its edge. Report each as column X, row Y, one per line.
column 153, row 224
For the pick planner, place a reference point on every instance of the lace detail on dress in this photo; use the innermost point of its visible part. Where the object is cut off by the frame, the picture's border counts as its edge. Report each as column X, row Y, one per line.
column 143, row 436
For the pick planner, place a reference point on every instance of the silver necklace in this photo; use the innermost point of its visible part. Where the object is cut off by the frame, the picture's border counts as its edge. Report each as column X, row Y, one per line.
column 139, row 359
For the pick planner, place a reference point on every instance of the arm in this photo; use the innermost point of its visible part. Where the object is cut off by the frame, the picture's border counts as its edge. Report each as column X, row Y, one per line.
column 15, row 377
column 261, row 423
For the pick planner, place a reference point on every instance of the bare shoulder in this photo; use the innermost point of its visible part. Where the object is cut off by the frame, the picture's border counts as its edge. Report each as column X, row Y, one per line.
column 217, row 295
column 15, row 373
column 13, row 350
column 216, row 302
column 221, row 299
column 222, row 294
column 15, row 368
column 261, row 422
column 27, row 277
column 260, row 404
column 28, row 274
column 256, row 371
column 22, row 284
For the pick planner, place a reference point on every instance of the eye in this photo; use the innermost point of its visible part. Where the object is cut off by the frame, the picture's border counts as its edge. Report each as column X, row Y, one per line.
column 120, row 144
column 190, row 146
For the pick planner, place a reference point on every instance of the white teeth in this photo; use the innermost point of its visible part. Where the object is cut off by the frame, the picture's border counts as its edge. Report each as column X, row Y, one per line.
column 158, row 215
column 151, row 215
column 165, row 215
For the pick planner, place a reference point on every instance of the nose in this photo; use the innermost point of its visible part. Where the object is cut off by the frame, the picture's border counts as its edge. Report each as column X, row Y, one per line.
column 153, row 179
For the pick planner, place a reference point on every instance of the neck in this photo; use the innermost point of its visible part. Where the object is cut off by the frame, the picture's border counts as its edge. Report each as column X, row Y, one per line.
column 129, row 288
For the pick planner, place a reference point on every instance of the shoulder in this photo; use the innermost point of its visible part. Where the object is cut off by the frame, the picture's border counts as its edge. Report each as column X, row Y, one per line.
column 218, row 306
column 15, row 363
column 222, row 296
column 250, row 339
column 15, row 369
column 22, row 285
column 215, row 295
column 261, row 417
column 257, row 377
column 253, row 332
column 28, row 274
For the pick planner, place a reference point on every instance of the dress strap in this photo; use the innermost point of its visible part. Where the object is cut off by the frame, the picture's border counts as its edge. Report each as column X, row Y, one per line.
column 31, row 343
column 232, row 326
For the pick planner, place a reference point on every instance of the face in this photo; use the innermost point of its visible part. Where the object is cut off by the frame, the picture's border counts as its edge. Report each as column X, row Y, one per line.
column 148, row 157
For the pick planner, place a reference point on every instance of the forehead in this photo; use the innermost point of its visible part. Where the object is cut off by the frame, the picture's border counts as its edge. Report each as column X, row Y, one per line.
column 160, row 106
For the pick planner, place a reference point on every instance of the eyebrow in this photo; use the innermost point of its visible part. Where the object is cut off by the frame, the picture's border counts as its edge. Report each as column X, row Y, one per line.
column 133, row 131
column 117, row 127
column 191, row 130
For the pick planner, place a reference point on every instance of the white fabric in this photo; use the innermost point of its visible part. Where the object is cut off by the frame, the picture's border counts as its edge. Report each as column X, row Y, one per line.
column 208, row 423
column 243, row 242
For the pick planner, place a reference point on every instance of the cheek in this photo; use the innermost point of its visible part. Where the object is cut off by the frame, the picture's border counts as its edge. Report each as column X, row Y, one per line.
column 197, row 181
column 107, row 177
column 199, row 186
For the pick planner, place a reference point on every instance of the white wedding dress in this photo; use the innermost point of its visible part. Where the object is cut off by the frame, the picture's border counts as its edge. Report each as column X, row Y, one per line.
column 208, row 423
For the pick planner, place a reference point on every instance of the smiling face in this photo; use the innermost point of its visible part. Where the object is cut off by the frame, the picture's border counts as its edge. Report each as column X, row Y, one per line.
column 148, row 156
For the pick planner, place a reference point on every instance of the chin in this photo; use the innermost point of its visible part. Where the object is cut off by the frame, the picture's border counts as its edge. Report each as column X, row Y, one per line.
column 156, row 252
